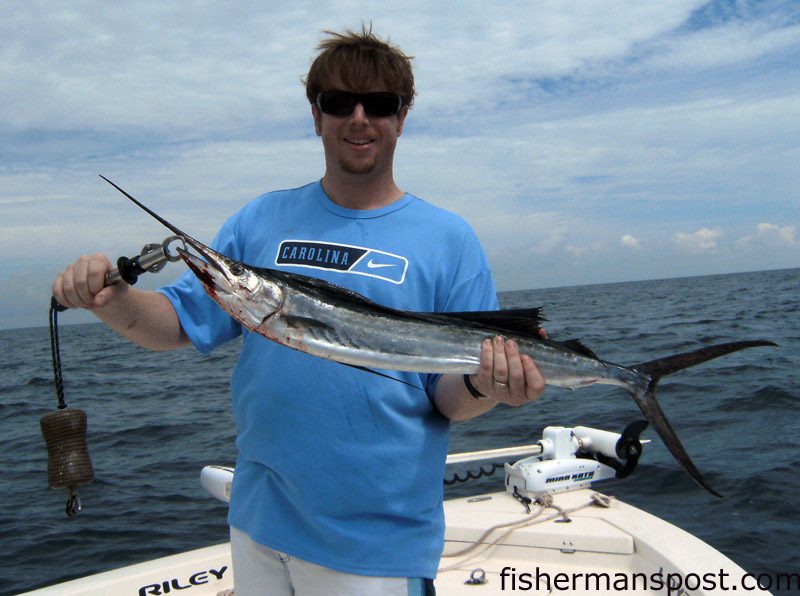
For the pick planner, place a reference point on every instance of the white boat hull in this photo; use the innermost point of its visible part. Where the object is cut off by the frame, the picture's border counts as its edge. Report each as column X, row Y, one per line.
column 200, row 572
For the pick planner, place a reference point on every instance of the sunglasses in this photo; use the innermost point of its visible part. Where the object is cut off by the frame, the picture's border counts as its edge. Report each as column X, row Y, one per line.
column 380, row 104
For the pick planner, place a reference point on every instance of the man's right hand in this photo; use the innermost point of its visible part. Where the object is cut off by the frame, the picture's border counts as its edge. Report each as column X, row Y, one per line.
column 147, row 318
column 82, row 284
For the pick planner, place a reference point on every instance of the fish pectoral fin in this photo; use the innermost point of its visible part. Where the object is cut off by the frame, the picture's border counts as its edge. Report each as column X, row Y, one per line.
column 384, row 375
column 306, row 323
column 515, row 321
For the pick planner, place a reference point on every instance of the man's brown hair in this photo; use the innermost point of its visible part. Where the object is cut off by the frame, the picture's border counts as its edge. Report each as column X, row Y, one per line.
column 361, row 62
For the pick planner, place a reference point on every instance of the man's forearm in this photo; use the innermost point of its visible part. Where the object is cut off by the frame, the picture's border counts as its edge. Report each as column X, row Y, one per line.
column 456, row 402
column 148, row 319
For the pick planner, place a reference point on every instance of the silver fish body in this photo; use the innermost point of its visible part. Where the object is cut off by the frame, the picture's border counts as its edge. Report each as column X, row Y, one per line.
column 332, row 322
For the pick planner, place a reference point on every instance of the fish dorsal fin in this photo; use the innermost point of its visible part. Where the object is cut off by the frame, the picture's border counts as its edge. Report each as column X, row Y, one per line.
column 515, row 321
column 576, row 346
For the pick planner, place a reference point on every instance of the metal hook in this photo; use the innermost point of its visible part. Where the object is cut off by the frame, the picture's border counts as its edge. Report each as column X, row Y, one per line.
column 152, row 259
column 172, row 257
column 73, row 503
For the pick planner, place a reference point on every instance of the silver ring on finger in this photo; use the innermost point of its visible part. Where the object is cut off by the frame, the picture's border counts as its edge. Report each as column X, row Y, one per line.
column 498, row 383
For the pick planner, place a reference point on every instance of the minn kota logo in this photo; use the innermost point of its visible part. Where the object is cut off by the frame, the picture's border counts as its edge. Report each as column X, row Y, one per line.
column 343, row 257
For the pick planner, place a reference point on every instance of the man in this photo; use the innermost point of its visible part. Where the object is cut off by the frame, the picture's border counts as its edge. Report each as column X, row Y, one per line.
column 338, row 485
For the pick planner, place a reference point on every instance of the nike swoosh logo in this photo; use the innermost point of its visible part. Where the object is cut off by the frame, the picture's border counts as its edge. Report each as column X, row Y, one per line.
column 373, row 265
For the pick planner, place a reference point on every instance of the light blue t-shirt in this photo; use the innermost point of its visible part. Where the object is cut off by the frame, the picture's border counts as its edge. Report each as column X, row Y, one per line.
column 336, row 465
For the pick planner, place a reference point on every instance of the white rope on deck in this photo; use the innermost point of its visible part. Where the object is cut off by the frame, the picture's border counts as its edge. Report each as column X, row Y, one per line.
column 544, row 502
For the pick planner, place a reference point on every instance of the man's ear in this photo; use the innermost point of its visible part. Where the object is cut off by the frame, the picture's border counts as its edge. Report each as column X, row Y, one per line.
column 315, row 113
column 401, row 119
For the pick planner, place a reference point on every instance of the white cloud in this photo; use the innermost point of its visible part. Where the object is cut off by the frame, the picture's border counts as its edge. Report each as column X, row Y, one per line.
column 703, row 240
column 593, row 248
column 575, row 251
column 721, row 45
column 771, row 234
column 783, row 235
column 631, row 241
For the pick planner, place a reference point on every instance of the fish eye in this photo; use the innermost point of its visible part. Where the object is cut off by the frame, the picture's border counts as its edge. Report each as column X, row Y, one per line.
column 237, row 269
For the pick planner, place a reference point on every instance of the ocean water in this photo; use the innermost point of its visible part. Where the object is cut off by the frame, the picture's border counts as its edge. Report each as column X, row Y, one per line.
column 155, row 419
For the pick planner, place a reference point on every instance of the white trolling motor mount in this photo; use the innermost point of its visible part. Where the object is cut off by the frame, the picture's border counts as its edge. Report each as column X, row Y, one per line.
column 573, row 458
column 564, row 459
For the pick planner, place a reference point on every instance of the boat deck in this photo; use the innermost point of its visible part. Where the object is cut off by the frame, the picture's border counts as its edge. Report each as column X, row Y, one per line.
column 617, row 548
column 614, row 548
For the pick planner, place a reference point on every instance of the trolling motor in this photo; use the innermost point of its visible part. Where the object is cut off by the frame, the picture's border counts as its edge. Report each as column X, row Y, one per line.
column 564, row 459
column 572, row 458
column 64, row 431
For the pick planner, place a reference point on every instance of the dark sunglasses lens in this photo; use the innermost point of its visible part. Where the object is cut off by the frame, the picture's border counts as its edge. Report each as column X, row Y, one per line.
column 336, row 103
column 340, row 103
column 381, row 104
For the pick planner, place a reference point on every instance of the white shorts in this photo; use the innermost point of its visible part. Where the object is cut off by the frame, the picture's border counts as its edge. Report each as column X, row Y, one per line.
column 261, row 571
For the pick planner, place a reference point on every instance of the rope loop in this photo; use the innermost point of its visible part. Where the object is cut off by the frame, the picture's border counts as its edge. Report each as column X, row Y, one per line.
column 55, row 351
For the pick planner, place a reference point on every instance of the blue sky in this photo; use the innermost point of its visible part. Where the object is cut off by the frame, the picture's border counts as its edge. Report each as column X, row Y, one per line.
column 585, row 142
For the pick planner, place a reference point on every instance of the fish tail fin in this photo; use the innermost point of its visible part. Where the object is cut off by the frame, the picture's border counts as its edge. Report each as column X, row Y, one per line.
column 646, row 398
column 662, row 367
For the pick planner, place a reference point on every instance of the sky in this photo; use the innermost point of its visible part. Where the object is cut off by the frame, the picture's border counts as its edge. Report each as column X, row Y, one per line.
column 585, row 142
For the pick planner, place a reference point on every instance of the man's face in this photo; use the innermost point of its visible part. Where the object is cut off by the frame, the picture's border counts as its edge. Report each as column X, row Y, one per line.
column 359, row 144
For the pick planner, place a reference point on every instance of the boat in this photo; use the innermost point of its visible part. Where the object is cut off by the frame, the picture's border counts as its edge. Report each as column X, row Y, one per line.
column 546, row 531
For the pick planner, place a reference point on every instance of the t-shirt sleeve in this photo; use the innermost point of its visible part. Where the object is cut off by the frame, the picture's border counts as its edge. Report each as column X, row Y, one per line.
column 204, row 322
column 471, row 286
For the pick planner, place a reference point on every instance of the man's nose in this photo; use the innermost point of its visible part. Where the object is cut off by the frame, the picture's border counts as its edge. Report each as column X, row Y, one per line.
column 359, row 114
